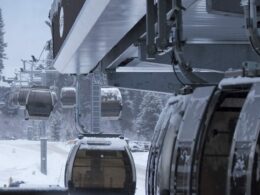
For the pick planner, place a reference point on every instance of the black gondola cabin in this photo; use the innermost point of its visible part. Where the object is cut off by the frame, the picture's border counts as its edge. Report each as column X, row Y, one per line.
column 99, row 165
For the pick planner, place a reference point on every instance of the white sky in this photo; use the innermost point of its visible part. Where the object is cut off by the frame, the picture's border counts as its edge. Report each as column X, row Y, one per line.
column 26, row 32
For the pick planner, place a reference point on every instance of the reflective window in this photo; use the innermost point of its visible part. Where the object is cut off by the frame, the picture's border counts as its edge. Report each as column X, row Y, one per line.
column 99, row 169
column 218, row 142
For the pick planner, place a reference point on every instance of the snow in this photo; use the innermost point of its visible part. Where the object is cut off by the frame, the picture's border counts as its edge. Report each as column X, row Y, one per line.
column 103, row 143
column 20, row 159
column 4, row 84
column 68, row 90
column 238, row 80
column 54, row 8
column 111, row 94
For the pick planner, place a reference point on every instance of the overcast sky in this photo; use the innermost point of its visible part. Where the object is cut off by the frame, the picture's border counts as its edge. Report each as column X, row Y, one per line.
column 25, row 30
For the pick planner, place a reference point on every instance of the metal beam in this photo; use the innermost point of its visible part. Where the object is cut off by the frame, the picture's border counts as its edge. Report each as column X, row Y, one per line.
column 211, row 55
column 131, row 37
column 163, row 37
column 150, row 29
column 154, row 81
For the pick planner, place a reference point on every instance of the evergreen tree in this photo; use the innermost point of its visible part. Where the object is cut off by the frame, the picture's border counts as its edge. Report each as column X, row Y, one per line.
column 55, row 125
column 150, row 109
column 29, row 133
column 2, row 43
column 49, row 58
column 131, row 101
column 56, row 131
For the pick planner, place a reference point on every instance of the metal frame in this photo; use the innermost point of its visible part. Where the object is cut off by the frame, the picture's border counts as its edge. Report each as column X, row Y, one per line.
column 155, row 81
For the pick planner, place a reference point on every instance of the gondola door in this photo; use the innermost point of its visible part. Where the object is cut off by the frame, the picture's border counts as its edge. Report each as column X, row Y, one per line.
column 244, row 156
column 183, row 160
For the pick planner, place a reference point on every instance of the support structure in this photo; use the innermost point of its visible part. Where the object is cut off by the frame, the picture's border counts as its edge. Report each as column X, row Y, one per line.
column 95, row 103
column 43, row 140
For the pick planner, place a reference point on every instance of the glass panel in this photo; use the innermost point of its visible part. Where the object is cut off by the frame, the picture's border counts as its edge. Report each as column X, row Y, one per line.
column 240, row 167
column 256, row 172
column 99, row 169
column 218, row 141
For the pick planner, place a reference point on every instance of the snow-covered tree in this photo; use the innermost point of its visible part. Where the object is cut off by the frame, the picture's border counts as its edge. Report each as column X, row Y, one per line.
column 55, row 121
column 68, row 127
column 3, row 45
column 149, row 111
column 56, row 130
column 49, row 58
column 130, row 109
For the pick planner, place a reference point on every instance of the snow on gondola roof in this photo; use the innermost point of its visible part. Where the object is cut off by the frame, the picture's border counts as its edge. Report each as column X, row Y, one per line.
column 111, row 94
column 104, row 143
column 238, row 81
column 68, row 89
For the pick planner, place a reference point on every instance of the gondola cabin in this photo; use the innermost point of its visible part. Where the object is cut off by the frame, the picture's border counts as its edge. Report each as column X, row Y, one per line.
column 68, row 97
column 100, row 165
column 111, row 103
column 22, row 96
column 208, row 142
column 40, row 103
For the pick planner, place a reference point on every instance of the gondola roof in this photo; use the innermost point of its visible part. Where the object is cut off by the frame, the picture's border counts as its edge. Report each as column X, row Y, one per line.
column 97, row 143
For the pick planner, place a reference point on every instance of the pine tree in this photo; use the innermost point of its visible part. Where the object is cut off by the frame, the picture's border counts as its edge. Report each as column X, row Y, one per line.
column 3, row 45
column 55, row 125
column 56, row 131
column 49, row 58
column 150, row 109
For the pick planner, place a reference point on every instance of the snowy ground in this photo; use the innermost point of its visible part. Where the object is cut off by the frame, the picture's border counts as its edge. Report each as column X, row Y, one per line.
column 20, row 160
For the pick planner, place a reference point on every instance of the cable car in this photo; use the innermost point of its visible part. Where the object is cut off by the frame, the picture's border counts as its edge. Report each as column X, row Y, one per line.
column 208, row 142
column 22, row 96
column 111, row 103
column 68, row 97
column 165, row 135
column 40, row 103
column 100, row 164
